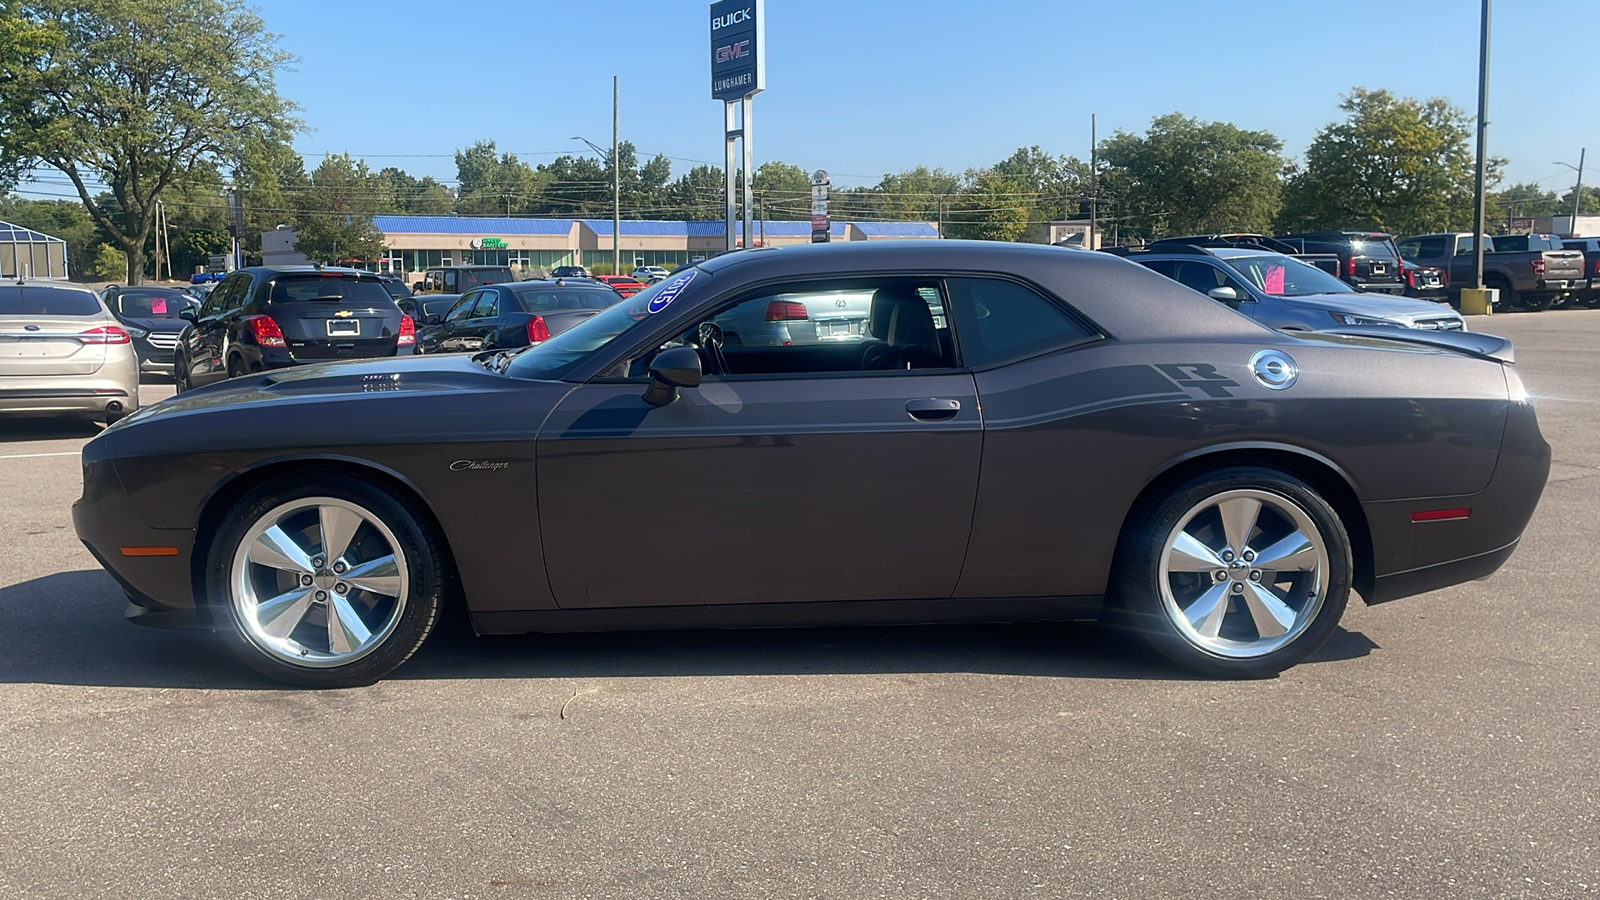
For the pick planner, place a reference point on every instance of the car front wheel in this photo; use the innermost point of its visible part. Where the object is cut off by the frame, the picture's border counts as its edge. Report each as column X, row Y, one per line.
column 1239, row 573
column 325, row 581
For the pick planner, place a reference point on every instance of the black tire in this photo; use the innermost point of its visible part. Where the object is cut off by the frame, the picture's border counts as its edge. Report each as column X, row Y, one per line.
column 235, row 367
column 180, row 374
column 1537, row 302
column 1139, row 601
column 424, row 564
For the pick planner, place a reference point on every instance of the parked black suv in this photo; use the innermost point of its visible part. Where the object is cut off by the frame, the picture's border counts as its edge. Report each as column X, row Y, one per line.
column 151, row 316
column 1368, row 260
column 270, row 317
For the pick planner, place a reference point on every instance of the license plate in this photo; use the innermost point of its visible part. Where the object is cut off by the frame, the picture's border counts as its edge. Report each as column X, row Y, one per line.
column 840, row 327
column 344, row 328
column 1380, row 269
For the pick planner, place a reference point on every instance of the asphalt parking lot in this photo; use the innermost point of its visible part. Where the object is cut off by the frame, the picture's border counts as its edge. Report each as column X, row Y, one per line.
column 1440, row 746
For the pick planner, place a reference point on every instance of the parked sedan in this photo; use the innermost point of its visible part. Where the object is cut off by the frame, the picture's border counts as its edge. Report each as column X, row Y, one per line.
column 427, row 309
column 622, row 284
column 514, row 315
column 63, row 353
column 1141, row 452
column 1287, row 294
column 153, row 318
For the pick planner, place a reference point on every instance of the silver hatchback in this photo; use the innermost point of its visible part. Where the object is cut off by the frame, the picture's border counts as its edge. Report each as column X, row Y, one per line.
column 63, row 353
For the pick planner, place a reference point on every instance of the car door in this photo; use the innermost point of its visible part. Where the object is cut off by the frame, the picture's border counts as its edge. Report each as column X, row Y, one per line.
column 206, row 341
column 448, row 329
column 480, row 322
column 802, row 477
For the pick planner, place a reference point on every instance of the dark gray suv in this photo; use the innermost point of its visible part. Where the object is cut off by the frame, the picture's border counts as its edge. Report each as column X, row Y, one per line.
column 1284, row 293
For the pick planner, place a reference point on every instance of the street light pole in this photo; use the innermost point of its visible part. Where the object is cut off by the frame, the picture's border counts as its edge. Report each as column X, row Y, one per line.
column 1577, row 192
column 616, row 188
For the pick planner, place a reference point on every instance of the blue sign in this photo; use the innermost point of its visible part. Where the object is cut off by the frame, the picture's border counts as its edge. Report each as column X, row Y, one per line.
column 670, row 291
column 738, row 49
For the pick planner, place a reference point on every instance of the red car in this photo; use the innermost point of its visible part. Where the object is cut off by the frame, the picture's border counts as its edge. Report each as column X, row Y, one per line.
column 622, row 284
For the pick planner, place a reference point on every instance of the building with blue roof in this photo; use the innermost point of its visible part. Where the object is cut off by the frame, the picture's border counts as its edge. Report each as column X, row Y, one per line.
column 417, row 243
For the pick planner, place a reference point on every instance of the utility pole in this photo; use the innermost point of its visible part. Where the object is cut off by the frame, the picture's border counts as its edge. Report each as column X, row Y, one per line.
column 1094, row 184
column 1577, row 193
column 1483, row 142
column 616, row 187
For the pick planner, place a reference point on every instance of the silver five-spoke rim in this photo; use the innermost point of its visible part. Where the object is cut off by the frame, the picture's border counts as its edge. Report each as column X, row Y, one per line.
column 1243, row 573
column 319, row 582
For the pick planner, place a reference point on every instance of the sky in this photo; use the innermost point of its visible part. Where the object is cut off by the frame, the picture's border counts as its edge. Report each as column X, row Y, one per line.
column 868, row 87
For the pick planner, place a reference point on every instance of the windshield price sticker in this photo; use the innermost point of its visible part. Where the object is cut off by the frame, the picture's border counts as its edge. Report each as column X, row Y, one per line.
column 669, row 292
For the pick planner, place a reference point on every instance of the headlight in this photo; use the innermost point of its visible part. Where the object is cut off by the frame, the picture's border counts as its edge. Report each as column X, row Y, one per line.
column 1349, row 319
column 137, row 332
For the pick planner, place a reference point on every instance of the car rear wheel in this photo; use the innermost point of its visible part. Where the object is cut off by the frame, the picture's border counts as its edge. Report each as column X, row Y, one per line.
column 1239, row 573
column 1537, row 302
column 325, row 581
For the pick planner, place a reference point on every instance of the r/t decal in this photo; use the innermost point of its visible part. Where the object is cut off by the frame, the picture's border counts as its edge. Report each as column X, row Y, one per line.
column 1199, row 375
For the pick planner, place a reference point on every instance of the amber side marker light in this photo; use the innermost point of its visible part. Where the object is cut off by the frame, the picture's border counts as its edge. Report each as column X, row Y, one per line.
column 1440, row 515
column 149, row 551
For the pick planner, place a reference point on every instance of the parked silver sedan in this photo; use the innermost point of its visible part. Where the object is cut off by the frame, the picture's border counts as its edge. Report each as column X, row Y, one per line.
column 1284, row 293
column 63, row 353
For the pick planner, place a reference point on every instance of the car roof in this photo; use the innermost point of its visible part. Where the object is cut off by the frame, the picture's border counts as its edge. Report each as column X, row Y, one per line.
column 58, row 285
column 310, row 270
column 553, row 282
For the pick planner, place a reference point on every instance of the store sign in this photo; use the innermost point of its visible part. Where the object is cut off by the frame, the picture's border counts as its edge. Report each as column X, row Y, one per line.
column 488, row 243
column 738, row 48
column 820, row 223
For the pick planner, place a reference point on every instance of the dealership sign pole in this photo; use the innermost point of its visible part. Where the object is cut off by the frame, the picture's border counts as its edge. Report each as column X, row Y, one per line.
column 738, row 73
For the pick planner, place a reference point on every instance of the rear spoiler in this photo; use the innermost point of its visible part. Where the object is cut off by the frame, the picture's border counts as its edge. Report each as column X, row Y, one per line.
column 1471, row 343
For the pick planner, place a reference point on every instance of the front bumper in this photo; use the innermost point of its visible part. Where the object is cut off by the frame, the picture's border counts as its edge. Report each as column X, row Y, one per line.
column 154, row 566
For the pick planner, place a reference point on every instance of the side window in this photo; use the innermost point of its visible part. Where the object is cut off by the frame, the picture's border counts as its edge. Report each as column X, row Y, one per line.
column 462, row 307
column 222, row 297
column 488, row 305
column 819, row 329
column 449, row 282
column 1001, row 321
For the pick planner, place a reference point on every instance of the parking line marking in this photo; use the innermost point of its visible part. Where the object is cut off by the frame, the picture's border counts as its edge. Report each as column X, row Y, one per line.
column 36, row 455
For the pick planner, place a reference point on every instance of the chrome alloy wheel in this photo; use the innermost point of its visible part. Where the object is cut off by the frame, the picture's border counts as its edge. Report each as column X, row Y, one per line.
column 318, row 582
column 1243, row 573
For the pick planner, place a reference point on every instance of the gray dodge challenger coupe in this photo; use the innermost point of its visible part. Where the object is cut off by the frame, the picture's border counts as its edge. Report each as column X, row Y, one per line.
column 1019, row 433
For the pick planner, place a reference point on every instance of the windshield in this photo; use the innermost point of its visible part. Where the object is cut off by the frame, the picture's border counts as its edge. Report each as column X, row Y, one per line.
column 1373, row 247
column 538, row 300
column 471, row 278
column 350, row 289
column 553, row 358
column 1281, row 276
column 153, row 304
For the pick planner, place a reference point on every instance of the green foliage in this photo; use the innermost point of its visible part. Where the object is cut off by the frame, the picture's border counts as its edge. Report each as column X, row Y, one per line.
column 992, row 208
column 335, row 220
column 918, row 195
column 1185, row 176
column 1394, row 164
column 1590, row 205
column 110, row 264
column 1059, row 183
column 697, row 195
column 490, row 185
column 1528, row 200
column 135, row 94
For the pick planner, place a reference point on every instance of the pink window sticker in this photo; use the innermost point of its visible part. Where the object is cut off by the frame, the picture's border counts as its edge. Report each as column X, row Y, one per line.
column 1274, row 280
column 158, row 306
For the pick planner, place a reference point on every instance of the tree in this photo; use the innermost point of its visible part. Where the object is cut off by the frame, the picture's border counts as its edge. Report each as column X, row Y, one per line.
column 1185, row 176
column 109, row 264
column 1589, row 206
column 1394, row 164
column 487, row 185
column 783, row 190
column 335, row 219
column 697, row 195
column 918, row 195
column 1059, row 183
column 1528, row 200
column 991, row 208
column 134, row 94
column 414, row 196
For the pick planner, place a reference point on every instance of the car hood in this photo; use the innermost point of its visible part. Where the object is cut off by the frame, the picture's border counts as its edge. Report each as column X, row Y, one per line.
column 403, row 374
column 1377, row 306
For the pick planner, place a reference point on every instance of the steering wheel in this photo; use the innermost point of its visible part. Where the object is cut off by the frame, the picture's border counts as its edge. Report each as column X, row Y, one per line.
column 709, row 336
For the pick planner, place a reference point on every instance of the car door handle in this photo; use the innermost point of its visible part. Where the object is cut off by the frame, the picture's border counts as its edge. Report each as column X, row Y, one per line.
column 933, row 409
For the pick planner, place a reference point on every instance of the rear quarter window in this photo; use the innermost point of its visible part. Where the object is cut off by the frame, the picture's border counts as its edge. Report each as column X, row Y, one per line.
column 47, row 301
column 1002, row 321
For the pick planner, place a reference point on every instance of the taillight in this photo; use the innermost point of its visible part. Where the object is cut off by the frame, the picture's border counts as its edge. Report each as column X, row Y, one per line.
column 786, row 311
column 1597, row 266
column 105, row 334
column 1538, row 266
column 1350, row 267
column 1411, row 278
column 266, row 331
column 537, row 330
column 408, row 332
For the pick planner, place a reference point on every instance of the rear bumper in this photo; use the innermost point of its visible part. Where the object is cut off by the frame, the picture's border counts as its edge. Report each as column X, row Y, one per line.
column 93, row 398
column 1411, row 557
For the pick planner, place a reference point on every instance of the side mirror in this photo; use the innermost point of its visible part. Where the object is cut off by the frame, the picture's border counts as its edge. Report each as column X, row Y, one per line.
column 1224, row 293
column 670, row 370
column 187, row 313
column 432, row 319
